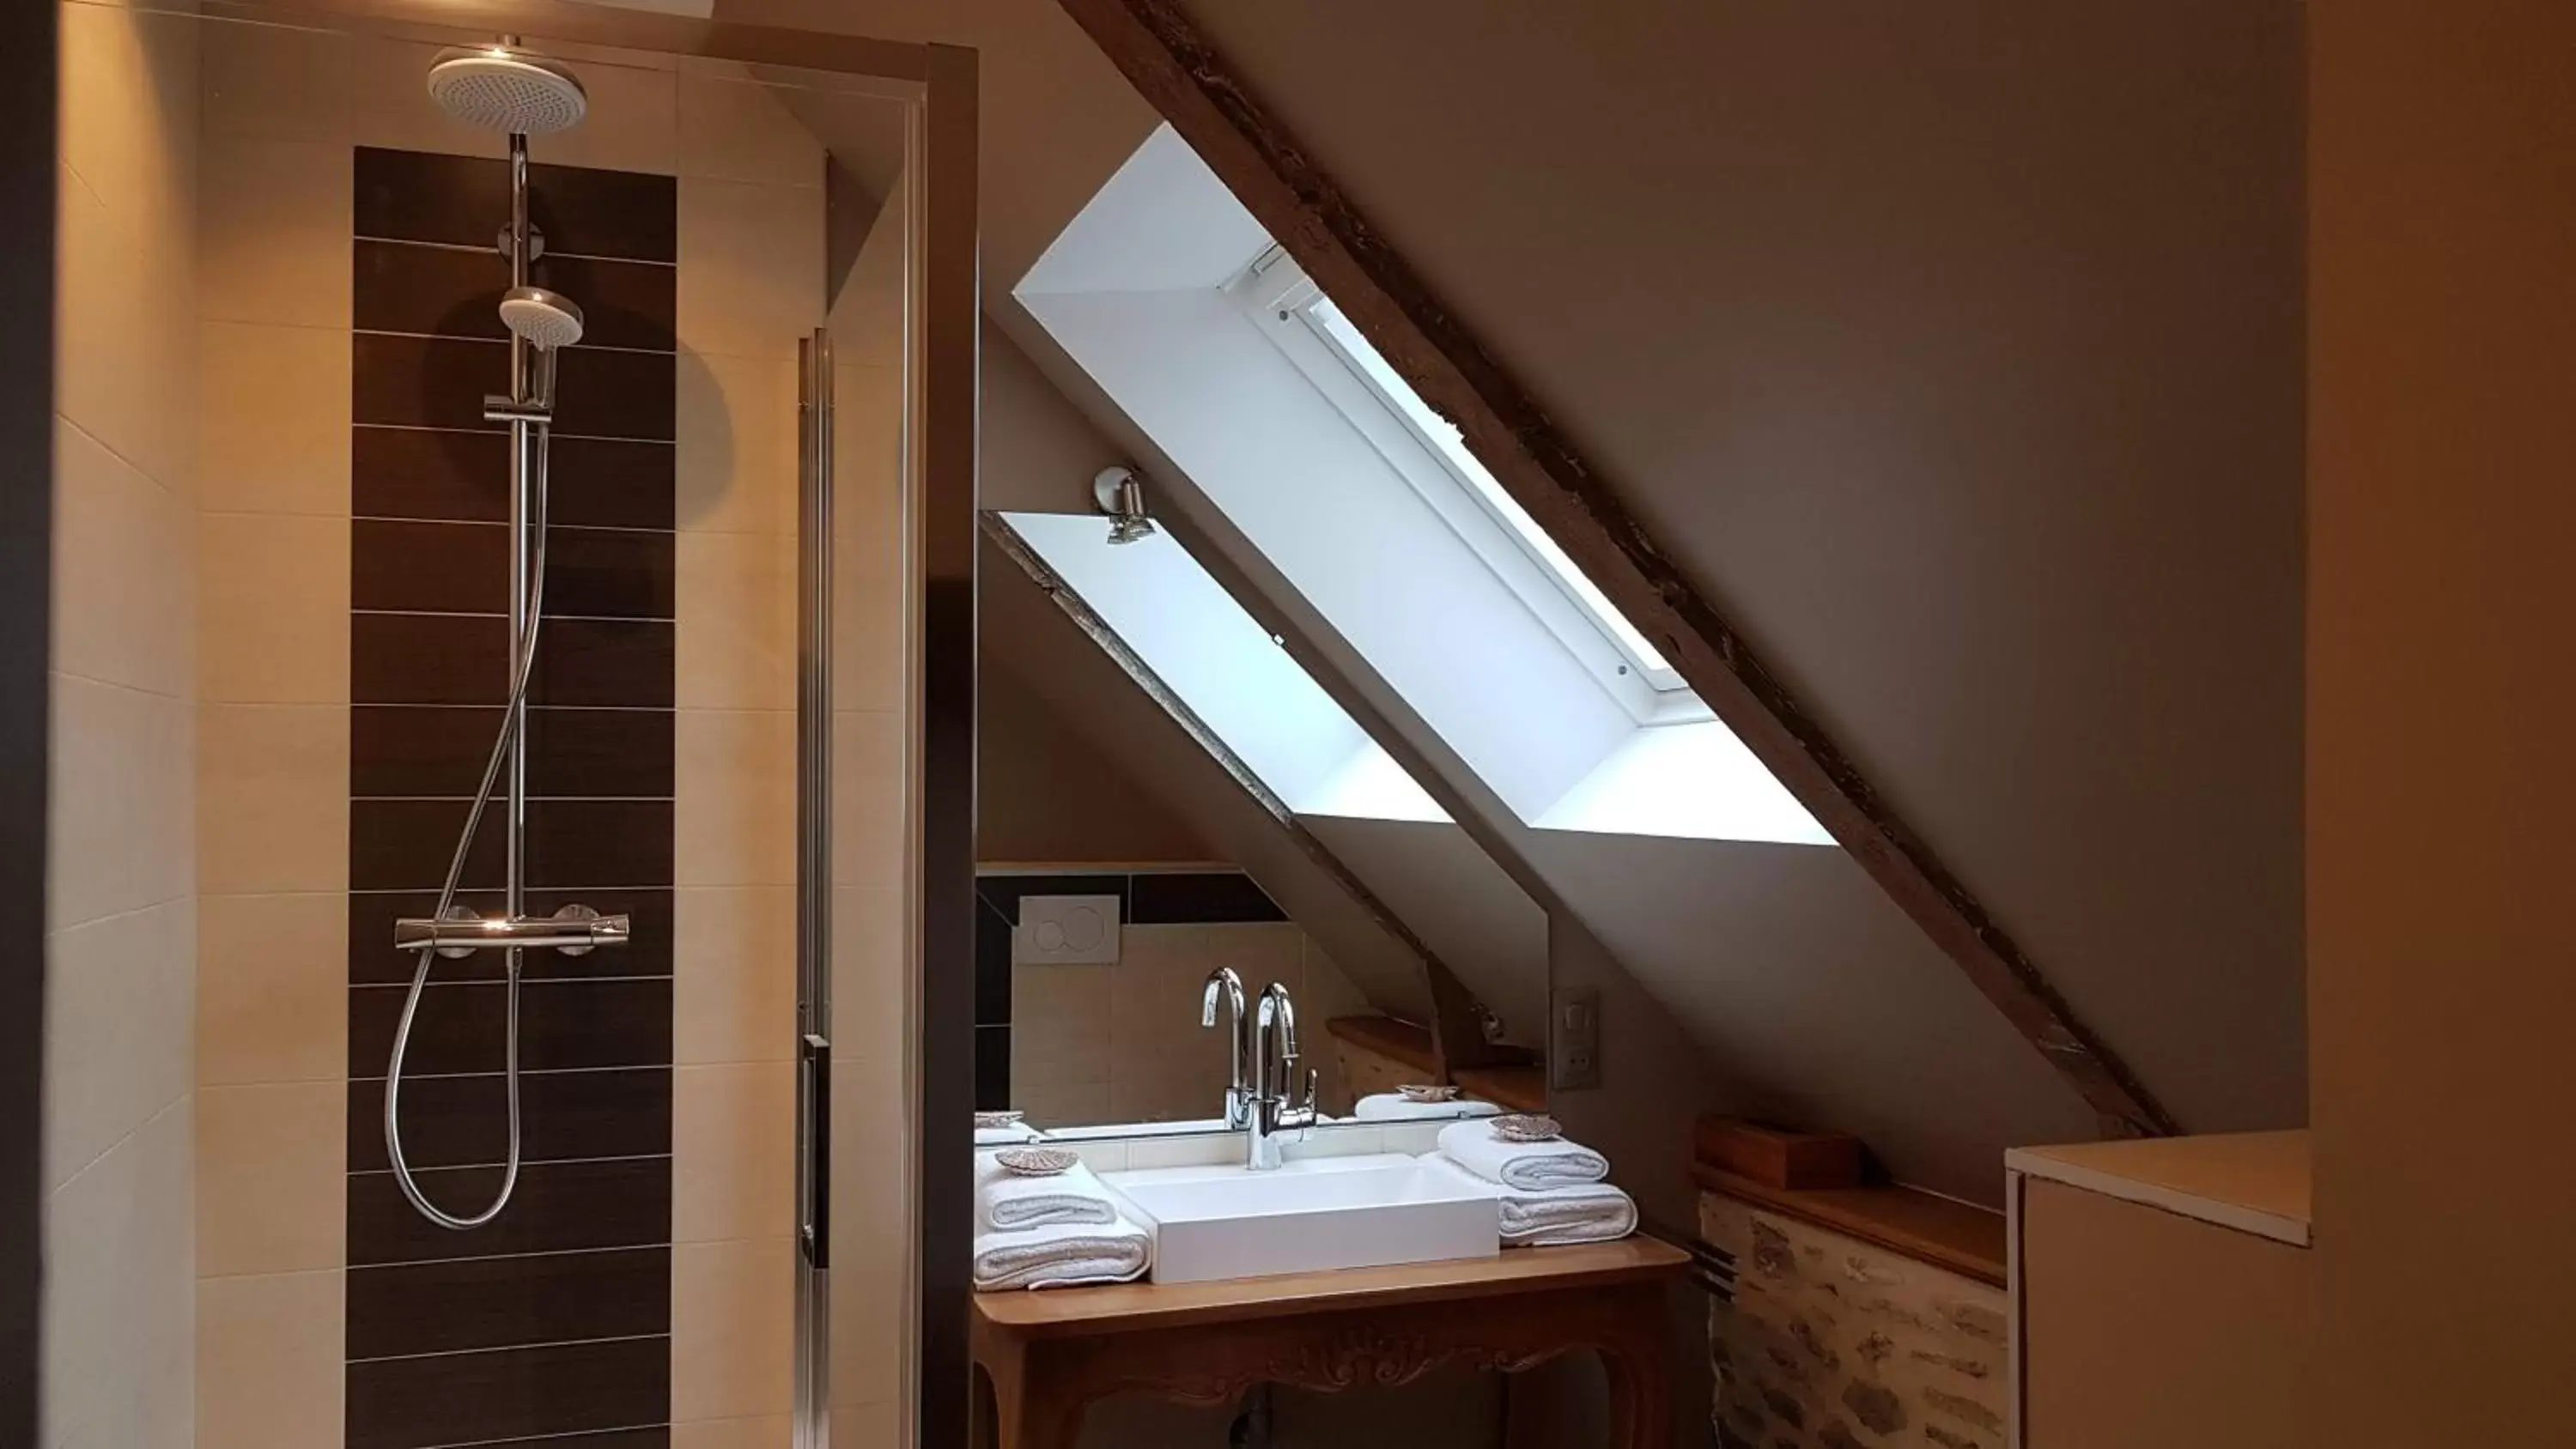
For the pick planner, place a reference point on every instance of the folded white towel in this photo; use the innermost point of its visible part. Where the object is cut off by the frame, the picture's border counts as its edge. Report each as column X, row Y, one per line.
column 1592, row 1212
column 1006, row 1201
column 1394, row 1107
column 1527, row 1166
column 1005, row 1136
column 1066, row 1255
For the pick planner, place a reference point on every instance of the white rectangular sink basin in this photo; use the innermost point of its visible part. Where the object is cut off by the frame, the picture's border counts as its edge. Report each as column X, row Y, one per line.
column 1312, row 1215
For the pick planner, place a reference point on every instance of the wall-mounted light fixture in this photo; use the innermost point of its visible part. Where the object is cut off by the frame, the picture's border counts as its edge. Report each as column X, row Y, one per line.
column 1122, row 497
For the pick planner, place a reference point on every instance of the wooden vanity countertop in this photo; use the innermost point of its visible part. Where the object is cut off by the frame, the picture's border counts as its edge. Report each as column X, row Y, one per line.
column 1123, row 1307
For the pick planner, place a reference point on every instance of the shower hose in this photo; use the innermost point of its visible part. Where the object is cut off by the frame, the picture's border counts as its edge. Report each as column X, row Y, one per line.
column 522, row 664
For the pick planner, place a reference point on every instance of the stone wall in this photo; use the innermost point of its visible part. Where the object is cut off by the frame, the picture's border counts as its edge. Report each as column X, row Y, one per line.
column 1833, row 1343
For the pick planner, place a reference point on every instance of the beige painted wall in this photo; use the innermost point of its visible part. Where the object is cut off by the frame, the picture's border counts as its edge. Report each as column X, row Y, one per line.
column 1043, row 795
column 2442, row 234
column 121, row 908
column 2145, row 1328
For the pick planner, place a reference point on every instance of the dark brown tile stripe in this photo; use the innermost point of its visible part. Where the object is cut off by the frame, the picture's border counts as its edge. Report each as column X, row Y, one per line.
column 464, row 477
column 465, row 659
column 1191, row 897
column 559, row 1207
column 440, row 382
column 464, row 568
column 374, row 961
column 549, row 1325
column 583, row 211
column 423, row 750
column 406, row 845
column 563, row 1026
column 463, row 1122
column 452, row 292
column 473, row 1398
column 484, row 1303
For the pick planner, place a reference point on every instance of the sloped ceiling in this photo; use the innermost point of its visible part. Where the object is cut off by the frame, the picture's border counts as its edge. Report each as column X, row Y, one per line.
column 1955, row 352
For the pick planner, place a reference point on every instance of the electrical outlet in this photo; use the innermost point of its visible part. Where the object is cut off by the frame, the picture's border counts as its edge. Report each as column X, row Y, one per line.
column 1574, row 1040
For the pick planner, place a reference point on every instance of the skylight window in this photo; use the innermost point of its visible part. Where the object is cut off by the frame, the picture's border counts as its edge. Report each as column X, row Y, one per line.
column 1432, row 456
column 1450, row 445
column 1218, row 659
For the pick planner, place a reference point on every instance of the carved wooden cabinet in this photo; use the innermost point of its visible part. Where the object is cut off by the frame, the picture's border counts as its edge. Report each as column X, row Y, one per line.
column 1042, row 1358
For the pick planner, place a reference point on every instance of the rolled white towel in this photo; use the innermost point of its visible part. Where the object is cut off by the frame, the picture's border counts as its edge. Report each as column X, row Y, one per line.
column 1006, row 1201
column 1395, row 1107
column 1592, row 1212
column 1066, row 1255
column 1527, row 1166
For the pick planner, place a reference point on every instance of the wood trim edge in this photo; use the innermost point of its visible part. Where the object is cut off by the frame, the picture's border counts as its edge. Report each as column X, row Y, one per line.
column 1160, row 51
column 1861, row 1213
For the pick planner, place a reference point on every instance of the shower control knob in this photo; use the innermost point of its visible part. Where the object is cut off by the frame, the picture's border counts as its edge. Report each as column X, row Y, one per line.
column 580, row 915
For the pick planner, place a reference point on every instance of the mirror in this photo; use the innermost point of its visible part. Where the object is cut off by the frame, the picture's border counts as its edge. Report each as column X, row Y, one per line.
column 1165, row 794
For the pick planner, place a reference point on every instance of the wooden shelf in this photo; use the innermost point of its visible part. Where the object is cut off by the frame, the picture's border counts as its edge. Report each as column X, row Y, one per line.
column 1929, row 1228
column 1400, row 1040
column 1523, row 1089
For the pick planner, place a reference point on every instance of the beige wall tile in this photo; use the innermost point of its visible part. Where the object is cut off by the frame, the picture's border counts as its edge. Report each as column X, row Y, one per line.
column 751, row 267
column 733, row 1309
column 273, row 599
column 868, row 784
column 875, row 1424
column 737, row 433
column 272, row 1188
column 273, row 798
column 871, row 970
column 387, row 101
column 272, row 989
column 735, row 128
column 124, row 571
column 126, row 342
column 118, row 1019
column 776, row 1431
column 123, row 801
column 278, row 83
column 734, row 988
column 733, row 1151
column 734, row 811
column 1060, row 1024
column 257, row 456
column 274, row 245
column 269, row 1369
column 119, row 1362
column 129, row 114
column 735, row 642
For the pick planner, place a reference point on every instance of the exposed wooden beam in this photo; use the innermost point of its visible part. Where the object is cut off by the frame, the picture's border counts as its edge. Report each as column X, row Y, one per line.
column 1159, row 49
column 1457, row 1019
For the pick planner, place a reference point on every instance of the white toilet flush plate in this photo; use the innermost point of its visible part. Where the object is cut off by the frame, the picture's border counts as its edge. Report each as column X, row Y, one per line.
column 1065, row 931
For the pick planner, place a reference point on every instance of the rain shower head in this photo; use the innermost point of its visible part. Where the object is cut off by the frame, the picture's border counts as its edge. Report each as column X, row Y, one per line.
column 503, row 89
column 541, row 318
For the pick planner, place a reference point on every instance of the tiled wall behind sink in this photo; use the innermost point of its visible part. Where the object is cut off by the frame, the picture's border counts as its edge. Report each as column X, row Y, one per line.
column 1075, row 1044
column 352, row 559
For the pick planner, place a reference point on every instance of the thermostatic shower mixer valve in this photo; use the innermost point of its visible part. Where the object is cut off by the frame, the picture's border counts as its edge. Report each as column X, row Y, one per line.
column 574, row 930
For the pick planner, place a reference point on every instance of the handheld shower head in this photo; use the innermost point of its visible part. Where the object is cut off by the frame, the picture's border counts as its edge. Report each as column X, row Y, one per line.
column 542, row 319
column 504, row 89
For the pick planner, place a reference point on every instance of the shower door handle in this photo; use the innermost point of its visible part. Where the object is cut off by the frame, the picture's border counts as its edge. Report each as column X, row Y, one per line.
column 814, row 1084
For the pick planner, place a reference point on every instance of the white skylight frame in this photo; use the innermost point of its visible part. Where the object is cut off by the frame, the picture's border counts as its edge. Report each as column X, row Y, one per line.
column 1228, row 670
column 1432, row 456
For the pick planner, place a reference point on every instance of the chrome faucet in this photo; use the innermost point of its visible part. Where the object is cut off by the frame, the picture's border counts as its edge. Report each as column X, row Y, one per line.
column 1238, row 1095
column 1274, row 1108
